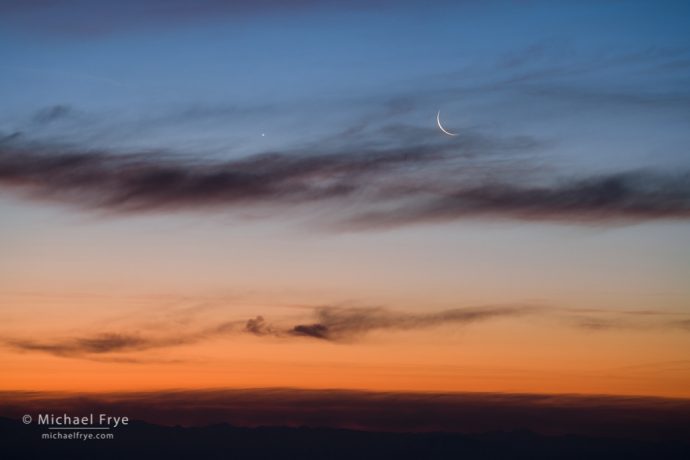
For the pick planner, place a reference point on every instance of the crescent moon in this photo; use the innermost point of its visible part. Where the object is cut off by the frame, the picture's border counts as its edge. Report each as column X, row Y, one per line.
column 440, row 126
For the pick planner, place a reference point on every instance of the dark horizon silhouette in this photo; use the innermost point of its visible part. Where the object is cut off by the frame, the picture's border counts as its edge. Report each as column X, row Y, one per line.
column 140, row 440
column 546, row 414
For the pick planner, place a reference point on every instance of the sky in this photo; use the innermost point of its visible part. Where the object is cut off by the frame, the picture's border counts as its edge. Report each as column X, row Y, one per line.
column 247, row 195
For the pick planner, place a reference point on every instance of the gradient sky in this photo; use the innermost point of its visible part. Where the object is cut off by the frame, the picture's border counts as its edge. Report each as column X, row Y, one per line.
column 545, row 248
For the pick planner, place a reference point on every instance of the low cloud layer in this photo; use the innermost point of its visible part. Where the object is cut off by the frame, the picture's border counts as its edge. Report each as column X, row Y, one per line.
column 371, row 187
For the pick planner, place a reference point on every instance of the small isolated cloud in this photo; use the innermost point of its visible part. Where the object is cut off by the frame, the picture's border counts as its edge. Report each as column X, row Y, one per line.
column 317, row 331
column 52, row 113
column 258, row 326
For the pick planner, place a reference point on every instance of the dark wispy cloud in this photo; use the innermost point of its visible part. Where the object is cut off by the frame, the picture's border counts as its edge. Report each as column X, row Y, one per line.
column 596, row 320
column 621, row 197
column 343, row 323
column 385, row 185
column 338, row 324
column 52, row 113
column 334, row 324
column 103, row 343
column 683, row 324
column 655, row 418
column 552, row 80
column 87, row 18
column 109, row 342
column 151, row 181
column 578, row 96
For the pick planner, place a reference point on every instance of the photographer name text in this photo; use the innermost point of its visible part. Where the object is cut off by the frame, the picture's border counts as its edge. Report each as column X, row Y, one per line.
column 104, row 420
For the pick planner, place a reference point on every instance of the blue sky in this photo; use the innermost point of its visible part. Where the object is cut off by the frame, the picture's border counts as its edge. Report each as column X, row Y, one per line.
column 593, row 78
column 538, row 91
column 185, row 169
